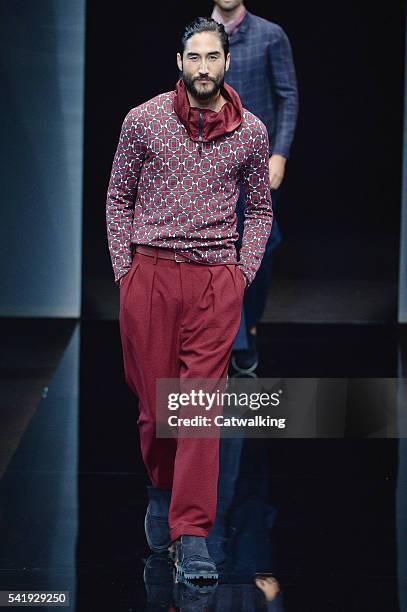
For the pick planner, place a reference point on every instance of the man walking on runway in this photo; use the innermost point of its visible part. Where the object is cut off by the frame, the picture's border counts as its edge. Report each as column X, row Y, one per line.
column 262, row 72
column 171, row 228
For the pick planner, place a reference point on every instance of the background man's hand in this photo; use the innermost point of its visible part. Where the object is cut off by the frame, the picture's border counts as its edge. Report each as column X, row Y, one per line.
column 276, row 169
column 269, row 586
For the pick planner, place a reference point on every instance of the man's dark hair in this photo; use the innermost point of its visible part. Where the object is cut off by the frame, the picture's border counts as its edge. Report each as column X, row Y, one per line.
column 205, row 24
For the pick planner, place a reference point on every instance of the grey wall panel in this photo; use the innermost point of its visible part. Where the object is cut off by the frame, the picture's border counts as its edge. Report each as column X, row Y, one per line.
column 403, row 236
column 42, row 81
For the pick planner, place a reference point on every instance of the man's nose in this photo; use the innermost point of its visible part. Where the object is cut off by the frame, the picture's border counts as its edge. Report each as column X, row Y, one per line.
column 203, row 68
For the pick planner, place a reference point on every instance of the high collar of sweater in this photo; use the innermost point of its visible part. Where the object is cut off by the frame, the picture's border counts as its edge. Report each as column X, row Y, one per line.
column 214, row 124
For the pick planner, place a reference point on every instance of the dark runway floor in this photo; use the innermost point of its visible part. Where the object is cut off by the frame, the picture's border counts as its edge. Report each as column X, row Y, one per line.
column 327, row 516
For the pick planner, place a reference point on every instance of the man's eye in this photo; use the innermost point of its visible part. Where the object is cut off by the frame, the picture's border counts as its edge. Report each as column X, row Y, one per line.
column 213, row 57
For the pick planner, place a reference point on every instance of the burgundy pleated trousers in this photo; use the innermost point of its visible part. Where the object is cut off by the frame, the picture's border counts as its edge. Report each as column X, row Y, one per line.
column 178, row 319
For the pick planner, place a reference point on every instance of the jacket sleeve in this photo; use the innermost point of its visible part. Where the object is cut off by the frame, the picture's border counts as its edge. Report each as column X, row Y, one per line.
column 284, row 82
column 121, row 194
column 258, row 211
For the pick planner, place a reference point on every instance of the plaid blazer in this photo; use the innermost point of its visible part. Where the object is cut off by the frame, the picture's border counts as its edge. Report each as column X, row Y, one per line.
column 262, row 72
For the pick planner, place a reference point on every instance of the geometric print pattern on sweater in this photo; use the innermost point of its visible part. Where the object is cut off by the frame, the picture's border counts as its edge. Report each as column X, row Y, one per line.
column 167, row 190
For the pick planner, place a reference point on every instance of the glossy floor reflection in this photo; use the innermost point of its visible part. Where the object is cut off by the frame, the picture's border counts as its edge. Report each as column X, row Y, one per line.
column 327, row 516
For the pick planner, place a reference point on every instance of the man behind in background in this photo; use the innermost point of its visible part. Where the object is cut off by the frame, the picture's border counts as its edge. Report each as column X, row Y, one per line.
column 262, row 72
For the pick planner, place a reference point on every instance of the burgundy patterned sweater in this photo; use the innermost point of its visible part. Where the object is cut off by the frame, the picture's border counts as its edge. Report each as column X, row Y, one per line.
column 175, row 182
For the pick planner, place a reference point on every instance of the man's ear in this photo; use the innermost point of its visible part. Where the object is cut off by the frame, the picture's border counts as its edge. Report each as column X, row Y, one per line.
column 179, row 61
column 227, row 63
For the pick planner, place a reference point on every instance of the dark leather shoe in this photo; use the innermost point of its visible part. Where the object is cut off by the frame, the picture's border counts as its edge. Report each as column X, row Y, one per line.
column 156, row 519
column 246, row 361
column 194, row 566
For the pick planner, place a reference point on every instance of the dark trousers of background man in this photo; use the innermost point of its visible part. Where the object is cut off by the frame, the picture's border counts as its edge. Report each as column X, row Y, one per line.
column 256, row 295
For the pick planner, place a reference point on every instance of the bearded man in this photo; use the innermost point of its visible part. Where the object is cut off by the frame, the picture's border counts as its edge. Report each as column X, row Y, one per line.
column 171, row 227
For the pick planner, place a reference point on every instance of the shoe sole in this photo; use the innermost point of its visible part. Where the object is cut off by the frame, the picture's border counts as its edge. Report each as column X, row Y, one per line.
column 243, row 370
column 190, row 579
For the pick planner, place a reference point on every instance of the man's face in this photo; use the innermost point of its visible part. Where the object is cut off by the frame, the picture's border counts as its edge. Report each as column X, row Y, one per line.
column 203, row 65
column 228, row 5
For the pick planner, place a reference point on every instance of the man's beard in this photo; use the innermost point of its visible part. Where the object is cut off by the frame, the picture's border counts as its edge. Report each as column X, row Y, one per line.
column 203, row 94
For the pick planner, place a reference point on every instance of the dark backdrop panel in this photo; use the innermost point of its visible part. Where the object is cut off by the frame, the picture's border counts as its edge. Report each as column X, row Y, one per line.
column 42, row 62
column 340, row 206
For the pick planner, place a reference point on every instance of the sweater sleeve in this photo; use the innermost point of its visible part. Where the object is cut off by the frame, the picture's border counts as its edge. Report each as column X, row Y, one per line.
column 121, row 194
column 284, row 79
column 258, row 206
